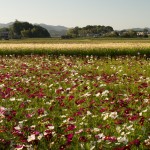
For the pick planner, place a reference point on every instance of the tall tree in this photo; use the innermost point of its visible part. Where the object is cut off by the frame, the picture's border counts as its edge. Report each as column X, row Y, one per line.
column 25, row 29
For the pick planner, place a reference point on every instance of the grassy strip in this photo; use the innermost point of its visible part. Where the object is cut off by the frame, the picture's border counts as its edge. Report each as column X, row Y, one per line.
column 103, row 52
column 77, row 40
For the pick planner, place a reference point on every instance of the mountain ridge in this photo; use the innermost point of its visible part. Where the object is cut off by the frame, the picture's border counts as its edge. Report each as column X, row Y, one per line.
column 138, row 29
column 55, row 31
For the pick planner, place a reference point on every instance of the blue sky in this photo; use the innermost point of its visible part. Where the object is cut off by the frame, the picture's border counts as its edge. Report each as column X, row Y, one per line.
column 119, row 14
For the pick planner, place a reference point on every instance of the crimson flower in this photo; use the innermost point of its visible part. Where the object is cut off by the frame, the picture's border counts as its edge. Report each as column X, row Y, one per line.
column 40, row 111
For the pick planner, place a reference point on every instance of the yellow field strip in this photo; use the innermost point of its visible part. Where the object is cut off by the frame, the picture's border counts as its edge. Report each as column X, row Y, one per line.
column 74, row 46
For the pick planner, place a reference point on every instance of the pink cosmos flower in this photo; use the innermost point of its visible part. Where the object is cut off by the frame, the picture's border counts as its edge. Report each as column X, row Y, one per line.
column 123, row 148
column 69, row 138
column 36, row 133
column 80, row 101
column 71, row 127
column 2, row 111
column 83, row 139
column 133, row 118
column 110, row 138
column 135, row 142
column 29, row 115
column 71, row 97
column 19, row 147
column 40, row 111
column 103, row 110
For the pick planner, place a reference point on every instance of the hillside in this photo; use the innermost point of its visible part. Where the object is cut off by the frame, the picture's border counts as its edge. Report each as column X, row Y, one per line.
column 3, row 25
column 139, row 29
column 55, row 31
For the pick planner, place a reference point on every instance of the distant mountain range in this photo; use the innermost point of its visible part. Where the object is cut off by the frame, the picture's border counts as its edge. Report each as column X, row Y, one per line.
column 55, row 31
column 139, row 29
column 3, row 25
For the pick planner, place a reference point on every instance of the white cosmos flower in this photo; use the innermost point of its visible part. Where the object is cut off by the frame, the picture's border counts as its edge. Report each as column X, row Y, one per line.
column 113, row 115
column 29, row 147
column 68, row 89
column 2, row 85
column 20, row 99
column 81, row 123
column 41, row 116
column 83, row 118
column 89, row 113
column 144, row 110
column 97, row 95
column 50, row 85
column 105, row 115
column 17, row 128
column 31, row 138
column 12, row 99
column 77, row 132
column 51, row 127
column 40, row 136
column 122, row 139
column 102, row 85
column 130, row 128
column 146, row 100
column 86, row 95
column 96, row 129
column 101, row 137
column 33, row 126
column 118, row 129
column 64, row 121
column 94, row 116
column 98, row 78
column 105, row 93
column 92, row 147
column 63, row 116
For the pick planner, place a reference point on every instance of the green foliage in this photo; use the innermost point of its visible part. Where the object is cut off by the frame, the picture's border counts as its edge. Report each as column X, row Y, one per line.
column 39, row 31
column 4, row 29
column 129, row 34
column 89, row 31
column 104, row 31
column 26, row 33
column 112, row 34
column 4, row 33
column 100, row 52
column 25, row 29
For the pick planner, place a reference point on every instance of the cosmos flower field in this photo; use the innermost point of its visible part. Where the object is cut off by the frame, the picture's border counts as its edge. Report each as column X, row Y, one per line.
column 74, row 103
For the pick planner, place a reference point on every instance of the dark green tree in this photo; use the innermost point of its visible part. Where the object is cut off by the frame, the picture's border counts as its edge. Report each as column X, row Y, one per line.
column 89, row 30
column 25, row 29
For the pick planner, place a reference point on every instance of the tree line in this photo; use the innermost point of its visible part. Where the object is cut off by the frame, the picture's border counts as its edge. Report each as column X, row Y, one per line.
column 89, row 31
column 103, row 31
column 25, row 30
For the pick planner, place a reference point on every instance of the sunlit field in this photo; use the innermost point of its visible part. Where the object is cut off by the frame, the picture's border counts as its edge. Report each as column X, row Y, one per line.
column 75, row 96
column 78, row 47
column 74, row 45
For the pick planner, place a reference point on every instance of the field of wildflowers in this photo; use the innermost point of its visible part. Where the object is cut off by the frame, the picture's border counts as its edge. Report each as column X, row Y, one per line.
column 74, row 103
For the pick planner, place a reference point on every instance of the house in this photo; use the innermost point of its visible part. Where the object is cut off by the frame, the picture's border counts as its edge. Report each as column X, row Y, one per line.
column 4, row 35
column 140, row 33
